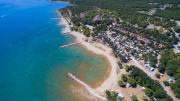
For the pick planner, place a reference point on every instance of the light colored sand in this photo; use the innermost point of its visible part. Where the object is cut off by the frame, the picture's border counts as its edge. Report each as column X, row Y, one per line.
column 111, row 82
column 99, row 49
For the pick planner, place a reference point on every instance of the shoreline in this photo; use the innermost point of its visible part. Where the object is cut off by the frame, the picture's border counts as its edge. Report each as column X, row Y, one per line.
column 106, row 71
column 99, row 49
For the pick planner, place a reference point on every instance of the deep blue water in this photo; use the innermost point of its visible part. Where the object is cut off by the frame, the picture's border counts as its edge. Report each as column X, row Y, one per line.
column 32, row 66
column 28, row 40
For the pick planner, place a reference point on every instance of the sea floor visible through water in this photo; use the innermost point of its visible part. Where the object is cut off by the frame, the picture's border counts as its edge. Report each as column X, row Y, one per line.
column 92, row 70
column 33, row 67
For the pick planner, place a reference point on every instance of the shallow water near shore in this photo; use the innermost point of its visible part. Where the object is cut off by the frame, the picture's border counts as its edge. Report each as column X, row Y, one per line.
column 32, row 65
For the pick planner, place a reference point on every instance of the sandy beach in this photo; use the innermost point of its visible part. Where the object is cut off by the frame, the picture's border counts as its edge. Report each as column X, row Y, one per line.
column 99, row 49
column 111, row 82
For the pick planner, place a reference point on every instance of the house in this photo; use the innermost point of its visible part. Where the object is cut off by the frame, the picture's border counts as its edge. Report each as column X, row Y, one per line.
column 97, row 18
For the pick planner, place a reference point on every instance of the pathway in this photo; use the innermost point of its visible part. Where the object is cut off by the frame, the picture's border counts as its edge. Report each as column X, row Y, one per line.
column 63, row 46
column 91, row 90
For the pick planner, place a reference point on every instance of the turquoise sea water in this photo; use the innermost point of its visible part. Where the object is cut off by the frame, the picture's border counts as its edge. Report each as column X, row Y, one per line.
column 32, row 66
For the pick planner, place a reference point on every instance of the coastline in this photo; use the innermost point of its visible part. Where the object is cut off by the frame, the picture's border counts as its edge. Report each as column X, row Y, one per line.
column 106, row 71
column 99, row 49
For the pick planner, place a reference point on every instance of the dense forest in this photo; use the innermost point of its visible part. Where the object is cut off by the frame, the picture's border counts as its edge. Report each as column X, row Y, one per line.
column 128, row 5
column 120, row 3
column 170, row 62
column 171, row 13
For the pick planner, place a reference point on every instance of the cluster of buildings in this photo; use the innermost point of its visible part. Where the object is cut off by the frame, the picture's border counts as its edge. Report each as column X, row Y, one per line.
column 125, row 47
column 123, row 29
column 177, row 48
